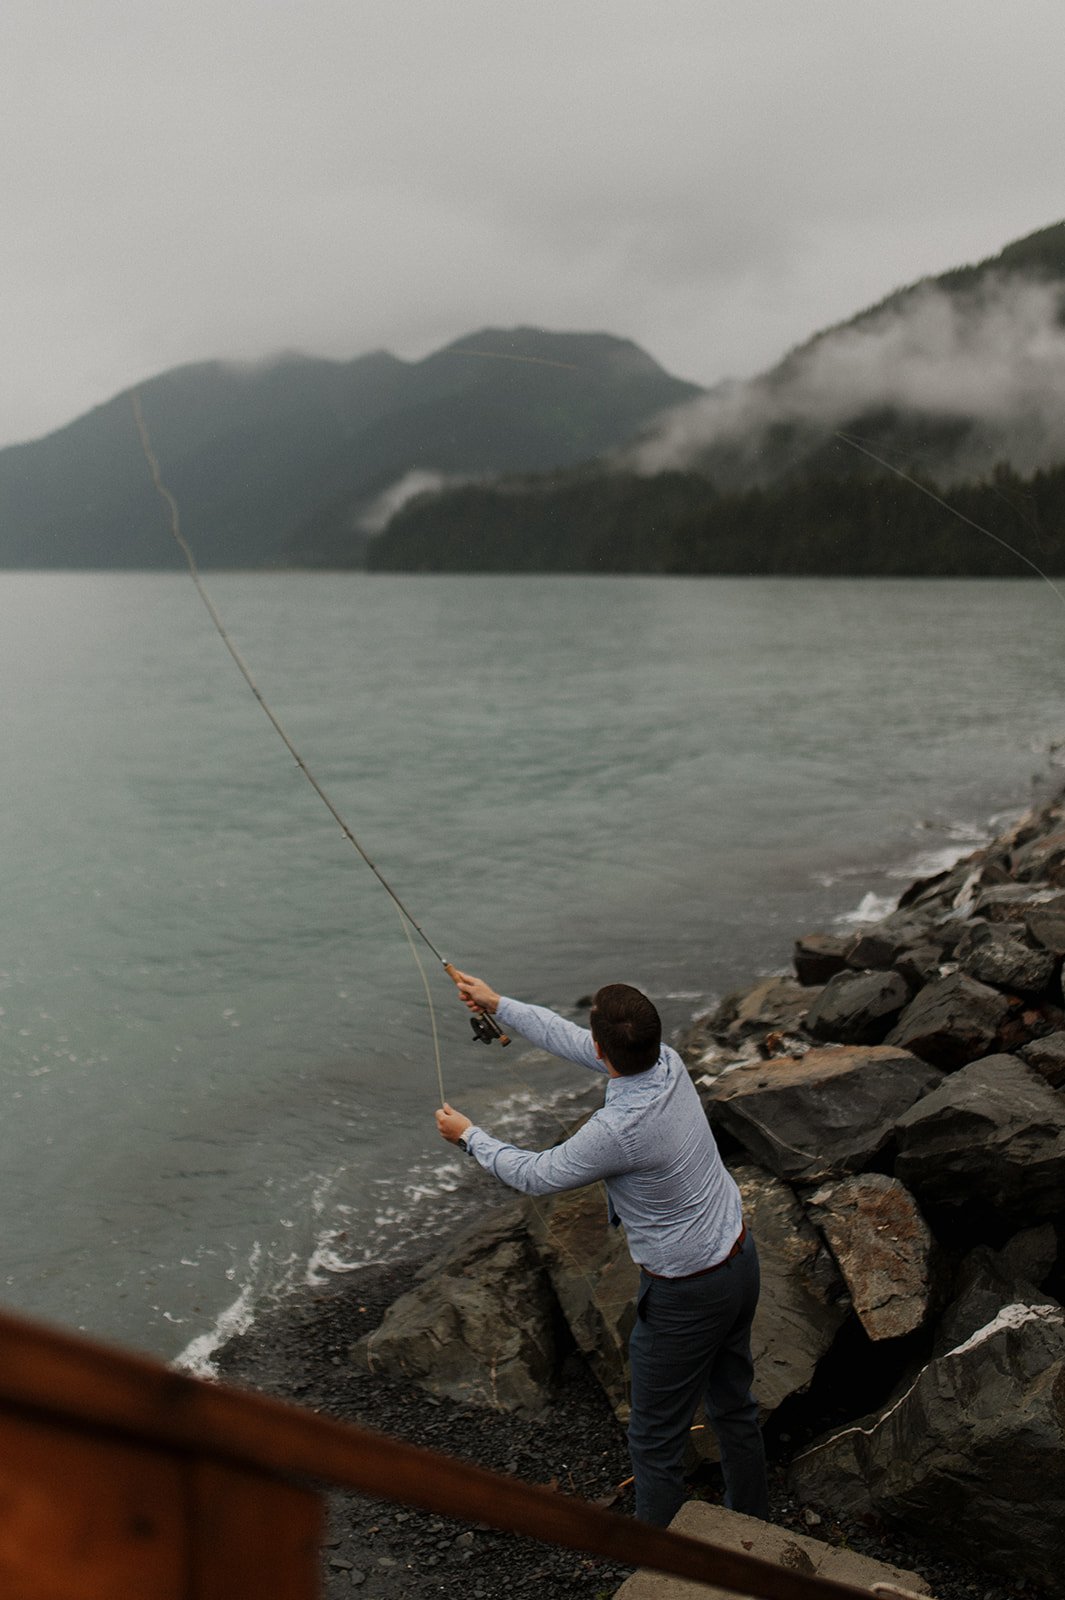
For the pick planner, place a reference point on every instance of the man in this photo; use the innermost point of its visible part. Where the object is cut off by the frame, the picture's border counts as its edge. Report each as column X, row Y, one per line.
column 651, row 1144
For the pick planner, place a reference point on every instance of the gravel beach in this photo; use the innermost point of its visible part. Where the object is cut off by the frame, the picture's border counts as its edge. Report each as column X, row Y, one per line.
column 299, row 1351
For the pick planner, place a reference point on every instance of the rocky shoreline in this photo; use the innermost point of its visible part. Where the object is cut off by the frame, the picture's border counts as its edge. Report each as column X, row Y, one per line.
column 895, row 1116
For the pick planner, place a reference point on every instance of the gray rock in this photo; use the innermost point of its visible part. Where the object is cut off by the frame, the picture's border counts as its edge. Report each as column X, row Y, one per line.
column 952, row 1021
column 988, row 1280
column 1041, row 860
column 972, row 1456
column 883, row 1248
column 818, row 957
column 857, row 1007
column 1047, row 1056
column 772, row 1005
column 1017, row 902
column 480, row 1328
column 1047, row 928
column 593, row 1278
column 1030, row 1256
column 992, row 954
column 938, row 892
column 920, row 965
column 878, row 948
column 803, row 1301
column 991, row 1137
column 821, row 1116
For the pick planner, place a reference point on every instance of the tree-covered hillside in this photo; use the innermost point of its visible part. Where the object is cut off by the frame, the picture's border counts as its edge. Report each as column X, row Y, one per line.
column 679, row 523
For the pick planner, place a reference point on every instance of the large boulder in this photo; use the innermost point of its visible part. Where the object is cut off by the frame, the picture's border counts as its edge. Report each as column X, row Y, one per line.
column 951, row 1021
column 972, row 1456
column 880, row 946
column 1047, row 1056
column 1016, row 902
column 990, row 1279
column 1042, row 859
column 857, row 1007
column 803, row 1301
column 819, row 956
column 990, row 1138
column 594, row 1280
column 883, row 1248
column 772, row 1005
column 823, row 1115
column 480, row 1327
column 1047, row 928
column 992, row 954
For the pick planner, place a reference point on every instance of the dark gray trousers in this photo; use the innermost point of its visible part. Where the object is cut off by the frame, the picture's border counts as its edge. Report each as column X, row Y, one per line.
column 692, row 1342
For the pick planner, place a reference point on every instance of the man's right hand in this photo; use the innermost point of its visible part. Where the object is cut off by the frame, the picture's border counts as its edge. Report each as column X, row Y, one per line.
column 474, row 992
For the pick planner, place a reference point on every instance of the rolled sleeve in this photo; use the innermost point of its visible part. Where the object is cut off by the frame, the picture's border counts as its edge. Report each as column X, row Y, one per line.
column 592, row 1153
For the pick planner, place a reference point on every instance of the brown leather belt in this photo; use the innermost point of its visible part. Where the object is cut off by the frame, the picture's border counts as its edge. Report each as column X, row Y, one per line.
column 686, row 1276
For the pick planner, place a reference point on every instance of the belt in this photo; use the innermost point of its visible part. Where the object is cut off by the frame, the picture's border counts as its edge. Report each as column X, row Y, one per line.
column 685, row 1276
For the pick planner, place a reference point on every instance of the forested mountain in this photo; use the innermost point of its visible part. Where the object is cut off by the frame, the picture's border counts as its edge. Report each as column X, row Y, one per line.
column 957, row 382
column 944, row 378
column 278, row 463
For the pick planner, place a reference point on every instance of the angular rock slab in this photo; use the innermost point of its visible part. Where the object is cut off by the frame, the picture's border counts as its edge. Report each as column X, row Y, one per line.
column 858, row 1007
column 950, row 1022
column 773, row 1005
column 883, row 1249
column 795, row 1552
column 1047, row 1056
column 823, row 1115
column 594, row 1280
column 973, row 1455
column 818, row 957
column 480, row 1328
column 991, row 1136
column 991, row 954
column 803, row 1302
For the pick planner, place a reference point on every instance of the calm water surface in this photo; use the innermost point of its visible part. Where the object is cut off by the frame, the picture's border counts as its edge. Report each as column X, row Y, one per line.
column 215, row 1052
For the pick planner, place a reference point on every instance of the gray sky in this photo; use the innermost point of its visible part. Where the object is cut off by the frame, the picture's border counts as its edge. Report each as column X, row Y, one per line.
column 715, row 179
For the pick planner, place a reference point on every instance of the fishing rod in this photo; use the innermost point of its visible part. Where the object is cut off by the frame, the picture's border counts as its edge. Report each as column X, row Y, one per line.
column 485, row 1027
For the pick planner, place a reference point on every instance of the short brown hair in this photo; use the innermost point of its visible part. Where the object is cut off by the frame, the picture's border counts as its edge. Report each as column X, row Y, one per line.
column 626, row 1027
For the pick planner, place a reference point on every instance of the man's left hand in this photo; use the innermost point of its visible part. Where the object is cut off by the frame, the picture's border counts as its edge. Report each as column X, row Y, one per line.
column 452, row 1124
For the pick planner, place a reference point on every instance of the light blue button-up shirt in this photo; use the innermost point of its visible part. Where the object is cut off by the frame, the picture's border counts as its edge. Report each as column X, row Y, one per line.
column 650, row 1143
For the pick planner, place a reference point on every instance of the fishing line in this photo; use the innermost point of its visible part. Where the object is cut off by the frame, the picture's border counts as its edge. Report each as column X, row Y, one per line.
column 855, row 444
column 407, row 921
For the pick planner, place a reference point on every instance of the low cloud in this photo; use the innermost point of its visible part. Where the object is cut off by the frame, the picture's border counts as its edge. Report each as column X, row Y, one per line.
column 375, row 517
column 992, row 354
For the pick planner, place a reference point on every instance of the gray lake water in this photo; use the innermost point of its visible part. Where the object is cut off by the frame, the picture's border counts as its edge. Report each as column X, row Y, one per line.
column 216, row 1060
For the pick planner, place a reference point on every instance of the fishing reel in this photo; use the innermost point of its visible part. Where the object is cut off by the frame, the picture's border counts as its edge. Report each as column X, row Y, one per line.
column 486, row 1029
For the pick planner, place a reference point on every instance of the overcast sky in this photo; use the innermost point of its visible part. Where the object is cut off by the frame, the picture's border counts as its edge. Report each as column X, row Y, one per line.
column 715, row 179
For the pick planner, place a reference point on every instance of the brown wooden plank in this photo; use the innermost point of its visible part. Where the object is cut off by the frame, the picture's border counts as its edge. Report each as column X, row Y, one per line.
column 252, row 1535
column 69, row 1376
column 84, row 1518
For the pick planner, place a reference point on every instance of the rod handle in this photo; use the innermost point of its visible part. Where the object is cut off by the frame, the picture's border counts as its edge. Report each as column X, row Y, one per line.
column 453, row 974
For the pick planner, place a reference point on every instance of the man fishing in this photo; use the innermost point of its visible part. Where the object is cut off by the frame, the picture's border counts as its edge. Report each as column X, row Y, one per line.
column 651, row 1144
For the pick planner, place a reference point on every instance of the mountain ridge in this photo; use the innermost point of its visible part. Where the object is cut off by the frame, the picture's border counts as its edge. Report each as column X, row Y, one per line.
column 273, row 462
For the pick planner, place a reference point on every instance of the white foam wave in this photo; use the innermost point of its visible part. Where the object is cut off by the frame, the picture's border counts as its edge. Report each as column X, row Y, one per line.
column 871, row 908
column 196, row 1358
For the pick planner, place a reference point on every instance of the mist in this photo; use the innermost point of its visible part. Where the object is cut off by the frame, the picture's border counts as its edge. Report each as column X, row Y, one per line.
column 987, row 360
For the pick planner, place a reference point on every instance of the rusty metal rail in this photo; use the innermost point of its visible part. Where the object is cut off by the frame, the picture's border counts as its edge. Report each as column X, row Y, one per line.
column 123, row 1479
